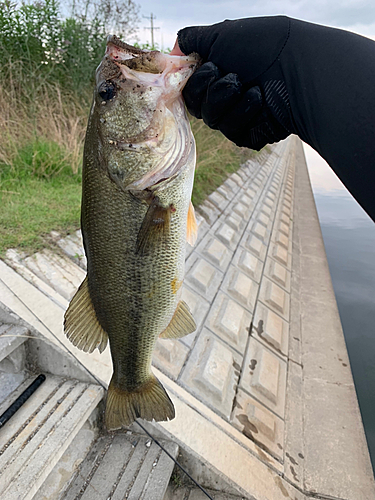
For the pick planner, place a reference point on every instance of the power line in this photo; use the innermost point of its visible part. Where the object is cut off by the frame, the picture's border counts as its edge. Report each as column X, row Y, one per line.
column 152, row 28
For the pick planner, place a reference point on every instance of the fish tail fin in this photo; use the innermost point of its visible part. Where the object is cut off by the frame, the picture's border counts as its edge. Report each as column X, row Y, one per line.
column 149, row 401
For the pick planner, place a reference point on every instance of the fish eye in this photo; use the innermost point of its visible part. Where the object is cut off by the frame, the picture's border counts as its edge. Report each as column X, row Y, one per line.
column 107, row 91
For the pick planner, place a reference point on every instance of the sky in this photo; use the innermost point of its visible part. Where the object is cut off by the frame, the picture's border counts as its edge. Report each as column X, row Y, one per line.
column 171, row 15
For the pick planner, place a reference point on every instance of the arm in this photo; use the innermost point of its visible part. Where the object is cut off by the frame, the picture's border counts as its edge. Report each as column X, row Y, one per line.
column 272, row 76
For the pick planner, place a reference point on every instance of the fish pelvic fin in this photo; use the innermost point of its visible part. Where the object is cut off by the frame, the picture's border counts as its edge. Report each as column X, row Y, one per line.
column 155, row 227
column 181, row 324
column 192, row 226
column 149, row 401
column 81, row 326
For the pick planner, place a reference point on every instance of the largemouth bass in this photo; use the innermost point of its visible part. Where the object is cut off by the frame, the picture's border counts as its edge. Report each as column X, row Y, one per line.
column 136, row 216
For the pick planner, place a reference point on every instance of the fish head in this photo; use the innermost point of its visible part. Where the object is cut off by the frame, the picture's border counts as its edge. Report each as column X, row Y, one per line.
column 140, row 111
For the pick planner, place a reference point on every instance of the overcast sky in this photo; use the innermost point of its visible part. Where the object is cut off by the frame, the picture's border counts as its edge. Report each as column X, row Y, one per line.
column 171, row 15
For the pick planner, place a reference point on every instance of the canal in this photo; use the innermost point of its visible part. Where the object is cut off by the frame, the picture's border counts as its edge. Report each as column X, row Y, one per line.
column 349, row 239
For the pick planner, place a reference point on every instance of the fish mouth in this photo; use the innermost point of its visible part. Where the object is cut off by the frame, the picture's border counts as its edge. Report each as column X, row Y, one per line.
column 113, row 40
column 150, row 61
column 120, row 51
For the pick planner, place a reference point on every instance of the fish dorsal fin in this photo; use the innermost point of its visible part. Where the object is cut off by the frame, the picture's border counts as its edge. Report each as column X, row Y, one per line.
column 192, row 226
column 154, row 228
column 81, row 325
column 181, row 324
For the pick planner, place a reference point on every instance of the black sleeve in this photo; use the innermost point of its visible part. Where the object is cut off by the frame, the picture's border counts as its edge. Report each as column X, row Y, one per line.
column 318, row 83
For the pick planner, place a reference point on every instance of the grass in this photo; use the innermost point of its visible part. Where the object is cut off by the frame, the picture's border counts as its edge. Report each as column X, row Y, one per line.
column 36, row 208
column 40, row 166
column 217, row 157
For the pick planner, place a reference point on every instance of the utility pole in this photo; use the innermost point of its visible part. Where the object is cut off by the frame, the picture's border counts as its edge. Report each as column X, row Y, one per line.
column 152, row 28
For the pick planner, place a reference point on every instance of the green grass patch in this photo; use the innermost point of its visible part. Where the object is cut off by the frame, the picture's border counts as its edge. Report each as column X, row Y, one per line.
column 217, row 158
column 38, row 194
column 39, row 191
column 33, row 208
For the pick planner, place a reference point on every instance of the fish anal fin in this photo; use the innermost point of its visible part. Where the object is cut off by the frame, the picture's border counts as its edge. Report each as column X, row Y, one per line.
column 148, row 401
column 155, row 227
column 192, row 226
column 81, row 325
column 181, row 324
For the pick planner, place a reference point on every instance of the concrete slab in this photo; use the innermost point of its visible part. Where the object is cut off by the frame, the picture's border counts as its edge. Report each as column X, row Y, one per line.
column 41, row 432
column 274, row 297
column 123, row 466
column 240, row 288
column 212, row 372
column 15, row 260
column 263, row 376
column 255, row 245
column 208, row 211
column 59, row 479
column 169, row 356
column 248, row 264
column 11, row 337
column 204, row 278
column 226, row 233
column 72, row 246
column 59, row 273
column 216, row 252
column 259, row 424
column 271, row 330
column 329, row 410
column 277, row 273
column 229, row 321
column 294, row 445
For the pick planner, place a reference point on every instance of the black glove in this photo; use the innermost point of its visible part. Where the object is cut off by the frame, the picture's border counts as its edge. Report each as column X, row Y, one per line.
column 240, row 90
column 264, row 78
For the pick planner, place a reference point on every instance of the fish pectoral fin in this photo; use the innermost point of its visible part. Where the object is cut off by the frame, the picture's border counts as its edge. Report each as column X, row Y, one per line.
column 155, row 227
column 148, row 401
column 181, row 324
column 81, row 326
column 192, row 226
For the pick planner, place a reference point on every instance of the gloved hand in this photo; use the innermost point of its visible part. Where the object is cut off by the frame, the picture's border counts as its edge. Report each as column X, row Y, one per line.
column 240, row 89
column 264, row 78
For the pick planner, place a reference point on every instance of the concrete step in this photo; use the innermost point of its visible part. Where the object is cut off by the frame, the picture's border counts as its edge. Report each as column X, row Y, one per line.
column 72, row 246
column 175, row 491
column 10, row 399
column 11, row 337
column 35, row 438
column 12, row 357
column 14, row 259
column 60, row 273
column 121, row 466
column 59, row 480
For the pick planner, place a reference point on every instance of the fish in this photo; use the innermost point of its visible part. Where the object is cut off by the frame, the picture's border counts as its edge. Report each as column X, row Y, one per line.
column 136, row 216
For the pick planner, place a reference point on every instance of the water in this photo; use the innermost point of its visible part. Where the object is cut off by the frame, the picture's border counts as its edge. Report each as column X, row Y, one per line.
column 349, row 239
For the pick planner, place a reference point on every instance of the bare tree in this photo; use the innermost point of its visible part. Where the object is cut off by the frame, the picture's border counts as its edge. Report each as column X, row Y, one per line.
column 117, row 16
